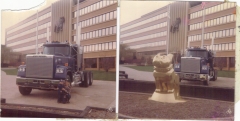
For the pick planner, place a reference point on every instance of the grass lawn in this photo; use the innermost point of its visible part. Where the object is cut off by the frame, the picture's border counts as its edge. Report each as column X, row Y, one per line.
column 228, row 74
column 102, row 75
column 10, row 71
column 97, row 75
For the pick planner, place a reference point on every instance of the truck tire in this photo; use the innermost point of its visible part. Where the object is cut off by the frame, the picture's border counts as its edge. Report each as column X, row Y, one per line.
column 25, row 90
column 215, row 75
column 86, row 80
column 91, row 78
column 206, row 82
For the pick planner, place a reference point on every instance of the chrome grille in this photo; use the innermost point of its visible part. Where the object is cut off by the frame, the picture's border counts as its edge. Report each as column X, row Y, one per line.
column 39, row 66
column 191, row 65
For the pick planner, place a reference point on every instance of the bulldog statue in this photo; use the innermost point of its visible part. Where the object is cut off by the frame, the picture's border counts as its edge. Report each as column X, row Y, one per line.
column 166, row 80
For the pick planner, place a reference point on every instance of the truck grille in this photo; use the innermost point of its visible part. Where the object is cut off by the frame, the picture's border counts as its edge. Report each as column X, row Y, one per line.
column 190, row 65
column 39, row 66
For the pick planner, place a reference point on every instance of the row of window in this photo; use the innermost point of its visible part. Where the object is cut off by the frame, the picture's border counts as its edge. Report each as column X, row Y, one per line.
column 22, row 41
column 99, row 33
column 98, row 19
column 213, row 22
column 22, row 26
column 215, row 34
column 152, row 44
column 160, row 34
column 48, row 24
column 94, row 7
column 27, row 48
column 222, row 46
column 100, row 47
column 146, row 21
column 29, row 31
column 163, row 24
column 29, row 23
column 46, row 15
column 213, row 9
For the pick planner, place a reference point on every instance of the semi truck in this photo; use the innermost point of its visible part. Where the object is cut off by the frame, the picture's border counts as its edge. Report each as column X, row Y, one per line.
column 58, row 61
column 196, row 65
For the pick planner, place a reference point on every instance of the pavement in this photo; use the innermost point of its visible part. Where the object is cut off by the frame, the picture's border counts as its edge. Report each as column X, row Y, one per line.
column 101, row 94
column 148, row 76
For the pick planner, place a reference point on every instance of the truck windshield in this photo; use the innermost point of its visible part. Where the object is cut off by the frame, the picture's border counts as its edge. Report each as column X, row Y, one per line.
column 59, row 50
column 201, row 54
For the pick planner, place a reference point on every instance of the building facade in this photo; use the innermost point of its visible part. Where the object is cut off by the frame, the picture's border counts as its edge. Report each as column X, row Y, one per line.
column 147, row 37
column 219, row 26
column 90, row 23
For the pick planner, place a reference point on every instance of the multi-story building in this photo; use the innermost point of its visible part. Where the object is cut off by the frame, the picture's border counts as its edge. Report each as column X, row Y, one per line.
column 151, row 33
column 94, row 21
column 147, row 34
column 219, row 26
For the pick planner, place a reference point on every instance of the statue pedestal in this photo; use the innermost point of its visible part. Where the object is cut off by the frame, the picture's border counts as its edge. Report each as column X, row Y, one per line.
column 165, row 98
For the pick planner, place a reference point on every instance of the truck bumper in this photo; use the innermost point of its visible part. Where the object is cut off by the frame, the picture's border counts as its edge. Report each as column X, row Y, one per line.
column 44, row 84
column 192, row 77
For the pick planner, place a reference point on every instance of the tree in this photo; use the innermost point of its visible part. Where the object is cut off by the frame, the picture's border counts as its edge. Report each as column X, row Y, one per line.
column 125, row 52
column 221, row 62
column 107, row 63
column 5, row 54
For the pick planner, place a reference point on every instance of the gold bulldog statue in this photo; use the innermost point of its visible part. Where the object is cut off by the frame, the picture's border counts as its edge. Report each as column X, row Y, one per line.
column 166, row 80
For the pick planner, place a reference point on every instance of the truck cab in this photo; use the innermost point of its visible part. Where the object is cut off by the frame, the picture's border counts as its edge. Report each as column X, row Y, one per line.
column 196, row 65
column 58, row 61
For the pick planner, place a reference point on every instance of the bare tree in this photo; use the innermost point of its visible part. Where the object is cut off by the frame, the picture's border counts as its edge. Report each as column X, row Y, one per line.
column 107, row 63
column 221, row 62
column 125, row 52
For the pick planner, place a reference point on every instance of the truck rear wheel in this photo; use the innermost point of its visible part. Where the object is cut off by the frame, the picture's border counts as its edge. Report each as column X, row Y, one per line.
column 25, row 90
column 86, row 80
column 91, row 78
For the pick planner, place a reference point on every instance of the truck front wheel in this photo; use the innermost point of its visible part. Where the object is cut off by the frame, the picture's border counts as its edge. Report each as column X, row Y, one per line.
column 25, row 90
column 91, row 78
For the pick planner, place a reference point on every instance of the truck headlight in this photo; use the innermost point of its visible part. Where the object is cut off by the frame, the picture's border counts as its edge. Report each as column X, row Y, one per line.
column 21, row 69
column 59, row 70
column 177, row 66
column 204, row 68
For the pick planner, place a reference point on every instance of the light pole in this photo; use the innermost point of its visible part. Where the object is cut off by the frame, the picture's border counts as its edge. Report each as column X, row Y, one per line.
column 203, row 6
column 37, row 33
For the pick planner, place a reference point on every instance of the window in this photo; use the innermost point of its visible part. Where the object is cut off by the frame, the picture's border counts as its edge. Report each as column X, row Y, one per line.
column 231, row 32
column 115, row 29
column 93, row 35
column 107, row 31
column 107, row 16
column 100, row 46
column 103, row 46
column 106, row 46
column 96, row 33
column 94, row 20
column 115, row 14
column 90, row 35
column 114, row 45
column 230, row 46
column 111, row 15
column 227, row 32
column 100, row 33
column 220, row 33
column 104, row 17
column 224, row 33
column 100, row 19
column 234, row 46
column 103, row 32
column 224, row 19
column 226, row 46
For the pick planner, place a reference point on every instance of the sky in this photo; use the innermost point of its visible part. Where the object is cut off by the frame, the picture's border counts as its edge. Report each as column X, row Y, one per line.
column 14, row 11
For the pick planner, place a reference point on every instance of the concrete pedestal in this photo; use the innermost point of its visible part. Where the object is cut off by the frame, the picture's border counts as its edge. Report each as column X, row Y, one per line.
column 165, row 98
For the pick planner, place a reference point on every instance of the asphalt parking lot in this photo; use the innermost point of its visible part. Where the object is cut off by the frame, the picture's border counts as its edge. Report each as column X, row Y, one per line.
column 101, row 94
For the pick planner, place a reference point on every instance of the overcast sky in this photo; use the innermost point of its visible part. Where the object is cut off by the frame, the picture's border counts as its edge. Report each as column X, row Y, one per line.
column 17, row 14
